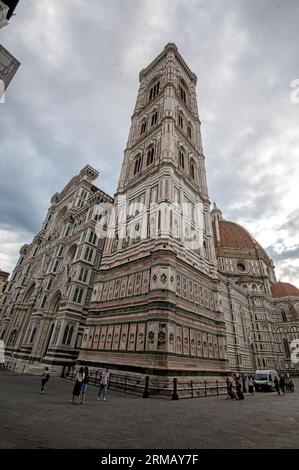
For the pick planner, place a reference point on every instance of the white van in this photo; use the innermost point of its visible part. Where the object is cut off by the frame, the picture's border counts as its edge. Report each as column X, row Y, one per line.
column 264, row 380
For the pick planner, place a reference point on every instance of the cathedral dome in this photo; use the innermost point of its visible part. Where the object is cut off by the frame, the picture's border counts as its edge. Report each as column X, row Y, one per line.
column 233, row 236
column 284, row 289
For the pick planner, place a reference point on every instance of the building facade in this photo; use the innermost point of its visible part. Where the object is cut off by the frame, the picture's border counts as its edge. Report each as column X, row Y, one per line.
column 3, row 280
column 8, row 63
column 152, row 281
column 45, row 304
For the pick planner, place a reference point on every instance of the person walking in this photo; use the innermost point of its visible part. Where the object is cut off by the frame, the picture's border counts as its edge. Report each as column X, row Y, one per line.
column 244, row 383
column 282, row 384
column 45, row 378
column 84, row 385
column 250, row 385
column 229, row 387
column 103, row 383
column 240, row 395
column 77, row 386
column 276, row 384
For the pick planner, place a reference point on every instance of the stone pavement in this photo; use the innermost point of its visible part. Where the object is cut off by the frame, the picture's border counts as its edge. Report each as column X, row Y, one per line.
column 31, row 420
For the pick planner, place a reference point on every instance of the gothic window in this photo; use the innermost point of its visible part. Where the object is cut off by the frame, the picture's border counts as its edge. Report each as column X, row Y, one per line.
column 154, row 91
column 138, row 164
column 88, row 254
column 182, row 158
column 183, row 93
column 83, row 275
column 284, row 317
column 189, row 131
column 77, row 297
column 143, row 127
column 150, row 155
column 32, row 335
column 57, row 329
column 44, row 301
column 154, row 118
column 192, row 173
column 66, row 332
column 70, row 335
column 181, row 120
column 92, row 238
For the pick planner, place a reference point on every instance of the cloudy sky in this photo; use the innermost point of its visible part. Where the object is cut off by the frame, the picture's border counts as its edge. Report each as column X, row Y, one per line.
column 71, row 101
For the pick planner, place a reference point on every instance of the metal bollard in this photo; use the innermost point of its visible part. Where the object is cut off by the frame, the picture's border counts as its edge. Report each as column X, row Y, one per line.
column 175, row 395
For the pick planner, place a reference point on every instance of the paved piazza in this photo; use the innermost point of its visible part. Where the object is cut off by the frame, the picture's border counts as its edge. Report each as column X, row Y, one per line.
column 32, row 420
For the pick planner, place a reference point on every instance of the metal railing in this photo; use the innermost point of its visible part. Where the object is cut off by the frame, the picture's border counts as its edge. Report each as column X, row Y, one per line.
column 147, row 386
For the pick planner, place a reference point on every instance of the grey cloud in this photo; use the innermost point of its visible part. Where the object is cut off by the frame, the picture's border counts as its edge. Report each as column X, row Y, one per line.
column 72, row 98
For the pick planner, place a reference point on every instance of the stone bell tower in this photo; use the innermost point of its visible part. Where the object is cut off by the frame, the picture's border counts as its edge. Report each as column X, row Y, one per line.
column 155, row 306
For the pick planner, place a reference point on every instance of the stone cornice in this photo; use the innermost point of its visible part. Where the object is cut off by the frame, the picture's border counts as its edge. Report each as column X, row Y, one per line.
column 170, row 47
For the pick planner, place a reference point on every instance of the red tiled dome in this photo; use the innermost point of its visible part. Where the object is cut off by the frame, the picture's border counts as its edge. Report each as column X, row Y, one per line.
column 283, row 289
column 233, row 235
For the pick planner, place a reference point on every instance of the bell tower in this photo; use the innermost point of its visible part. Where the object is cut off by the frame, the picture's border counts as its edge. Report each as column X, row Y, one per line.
column 155, row 305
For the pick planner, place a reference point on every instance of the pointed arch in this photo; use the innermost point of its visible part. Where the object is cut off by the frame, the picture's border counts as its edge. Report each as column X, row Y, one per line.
column 28, row 294
column 60, row 216
column 54, row 303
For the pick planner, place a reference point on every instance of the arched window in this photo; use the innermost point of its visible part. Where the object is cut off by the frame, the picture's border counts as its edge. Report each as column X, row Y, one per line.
column 189, row 131
column 183, row 93
column 286, row 348
column 56, row 333
column 66, row 332
column 182, row 157
column 284, row 317
column 181, row 120
column 154, row 118
column 154, row 91
column 143, row 127
column 205, row 253
column 150, row 155
column 138, row 163
column 192, row 172
column 70, row 335
column 33, row 335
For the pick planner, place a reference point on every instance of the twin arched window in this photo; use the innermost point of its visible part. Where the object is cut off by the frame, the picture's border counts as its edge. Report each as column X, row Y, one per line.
column 150, row 155
column 138, row 164
column 143, row 127
column 154, row 120
column 192, row 172
column 68, row 334
column 183, row 94
column 154, row 91
column 149, row 159
column 182, row 162
column 182, row 158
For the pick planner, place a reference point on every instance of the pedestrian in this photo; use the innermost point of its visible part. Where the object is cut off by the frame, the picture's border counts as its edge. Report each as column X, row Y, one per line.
column 103, row 383
column 45, row 378
column 244, row 383
column 276, row 383
column 250, row 385
column 229, row 386
column 282, row 384
column 240, row 395
column 84, row 384
column 77, row 386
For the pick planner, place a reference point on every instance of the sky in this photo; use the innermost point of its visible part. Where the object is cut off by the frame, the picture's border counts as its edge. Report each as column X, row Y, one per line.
column 72, row 98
